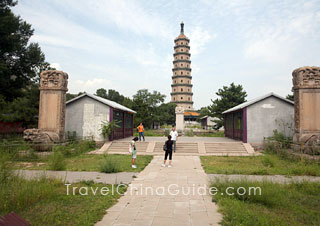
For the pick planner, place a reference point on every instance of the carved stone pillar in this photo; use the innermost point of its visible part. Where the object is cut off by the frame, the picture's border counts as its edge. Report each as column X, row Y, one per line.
column 306, row 87
column 52, row 109
column 179, row 119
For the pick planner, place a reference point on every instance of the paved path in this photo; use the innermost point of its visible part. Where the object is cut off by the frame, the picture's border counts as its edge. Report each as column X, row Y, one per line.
column 271, row 178
column 140, row 207
column 77, row 176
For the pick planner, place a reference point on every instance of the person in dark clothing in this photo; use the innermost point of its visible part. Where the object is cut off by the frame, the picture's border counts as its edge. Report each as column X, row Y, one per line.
column 168, row 144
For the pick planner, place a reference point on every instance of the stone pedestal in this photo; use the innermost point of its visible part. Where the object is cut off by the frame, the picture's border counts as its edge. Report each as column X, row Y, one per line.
column 306, row 87
column 52, row 108
column 179, row 119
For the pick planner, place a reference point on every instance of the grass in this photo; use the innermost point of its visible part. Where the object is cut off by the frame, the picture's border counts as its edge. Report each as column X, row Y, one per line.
column 150, row 133
column 269, row 164
column 278, row 204
column 45, row 202
column 86, row 162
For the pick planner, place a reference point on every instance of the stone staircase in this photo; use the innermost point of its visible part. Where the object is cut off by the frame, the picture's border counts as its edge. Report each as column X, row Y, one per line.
column 232, row 148
column 183, row 148
column 180, row 148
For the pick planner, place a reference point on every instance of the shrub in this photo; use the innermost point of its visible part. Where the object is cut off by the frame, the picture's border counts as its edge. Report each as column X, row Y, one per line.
column 108, row 166
column 267, row 161
column 57, row 161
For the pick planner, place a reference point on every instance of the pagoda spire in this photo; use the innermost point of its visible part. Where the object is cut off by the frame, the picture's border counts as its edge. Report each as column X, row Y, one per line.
column 182, row 30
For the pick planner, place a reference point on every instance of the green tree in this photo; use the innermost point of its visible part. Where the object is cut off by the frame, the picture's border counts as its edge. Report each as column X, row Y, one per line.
column 204, row 111
column 102, row 93
column 70, row 96
column 146, row 104
column 228, row 97
column 20, row 65
column 166, row 112
column 290, row 97
column 20, row 61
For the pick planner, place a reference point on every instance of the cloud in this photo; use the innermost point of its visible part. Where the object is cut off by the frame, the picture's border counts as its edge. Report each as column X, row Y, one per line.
column 89, row 86
column 57, row 66
column 199, row 38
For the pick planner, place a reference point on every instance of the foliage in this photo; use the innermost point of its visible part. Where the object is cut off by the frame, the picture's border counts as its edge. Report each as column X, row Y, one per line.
column 75, row 148
column 204, row 111
column 109, row 166
column 44, row 201
column 21, row 62
column 166, row 112
column 290, row 97
column 146, row 105
column 278, row 204
column 57, row 161
column 115, row 96
column 108, row 127
column 228, row 97
column 70, row 96
column 189, row 133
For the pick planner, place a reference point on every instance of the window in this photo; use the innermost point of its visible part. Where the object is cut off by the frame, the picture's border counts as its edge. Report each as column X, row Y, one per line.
column 181, row 72
column 188, row 90
column 188, row 81
column 174, row 90
column 187, row 72
column 181, row 90
column 175, row 73
column 174, row 98
column 181, row 98
column 189, row 99
column 181, row 50
column 175, row 81
column 175, row 64
column 187, row 65
column 181, row 65
column 181, row 43
column 181, row 58
column 181, row 81
column 187, row 58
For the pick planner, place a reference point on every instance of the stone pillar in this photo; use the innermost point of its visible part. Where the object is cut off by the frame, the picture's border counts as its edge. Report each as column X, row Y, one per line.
column 306, row 87
column 179, row 119
column 52, row 106
column 52, row 109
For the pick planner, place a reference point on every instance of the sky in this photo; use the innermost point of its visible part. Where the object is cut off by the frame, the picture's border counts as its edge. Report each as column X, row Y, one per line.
column 127, row 45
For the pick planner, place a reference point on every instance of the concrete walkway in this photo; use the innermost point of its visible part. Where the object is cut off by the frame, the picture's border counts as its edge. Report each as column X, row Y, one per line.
column 164, row 196
column 77, row 176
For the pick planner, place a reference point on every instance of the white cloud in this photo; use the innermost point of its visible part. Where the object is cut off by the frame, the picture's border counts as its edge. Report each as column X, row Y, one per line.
column 89, row 86
column 56, row 66
column 199, row 38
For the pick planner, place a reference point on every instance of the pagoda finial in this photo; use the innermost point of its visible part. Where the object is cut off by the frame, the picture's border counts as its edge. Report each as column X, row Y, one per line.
column 182, row 24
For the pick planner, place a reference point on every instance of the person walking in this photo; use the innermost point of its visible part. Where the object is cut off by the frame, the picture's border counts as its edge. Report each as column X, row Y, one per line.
column 174, row 136
column 133, row 151
column 141, row 131
column 168, row 152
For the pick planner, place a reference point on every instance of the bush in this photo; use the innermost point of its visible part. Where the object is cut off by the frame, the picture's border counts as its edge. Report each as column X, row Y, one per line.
column 75, row 148
column 108, row 166
column 57, row 161
column 189, row 133
column 267, row 161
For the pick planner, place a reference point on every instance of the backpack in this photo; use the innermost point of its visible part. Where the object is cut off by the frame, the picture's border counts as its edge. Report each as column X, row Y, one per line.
column 165, row 148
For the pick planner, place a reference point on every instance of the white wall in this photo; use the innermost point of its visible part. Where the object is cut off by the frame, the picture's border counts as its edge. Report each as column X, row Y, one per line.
column 267, row 115
column 85, row 117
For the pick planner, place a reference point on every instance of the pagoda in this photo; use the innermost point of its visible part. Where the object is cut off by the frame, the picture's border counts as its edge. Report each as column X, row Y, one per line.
column 181, row 93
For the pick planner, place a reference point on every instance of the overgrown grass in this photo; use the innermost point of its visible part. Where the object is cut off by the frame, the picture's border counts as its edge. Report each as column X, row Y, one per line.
column 87, row 162
column 45, row 202
column 57, row 161
column 269, row 164
column 278, row 204
column 216, row 134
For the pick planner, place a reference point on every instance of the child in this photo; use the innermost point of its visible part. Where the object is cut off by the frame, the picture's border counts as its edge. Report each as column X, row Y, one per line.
column 133, row 151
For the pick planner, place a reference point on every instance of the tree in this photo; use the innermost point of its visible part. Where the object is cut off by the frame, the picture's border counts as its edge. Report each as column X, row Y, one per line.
column 20, row 65
column 228, row 97
column 204, row 111
column 20, row 62
column 146, row 104
column 70, row 96
column 167, row 113
column 290, row 97
column 102, row 93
